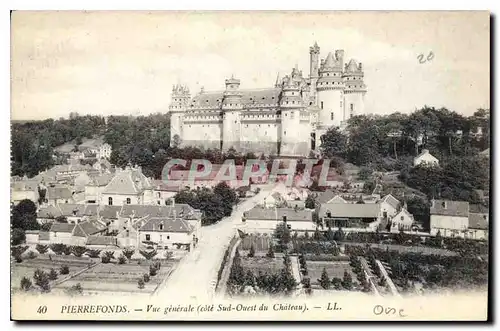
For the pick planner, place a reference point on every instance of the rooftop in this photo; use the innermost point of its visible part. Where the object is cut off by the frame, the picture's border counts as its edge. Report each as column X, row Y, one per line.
column 449, row 208
column 350, row 210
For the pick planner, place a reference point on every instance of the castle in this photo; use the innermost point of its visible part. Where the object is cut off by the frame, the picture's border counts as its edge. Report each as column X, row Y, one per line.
column 287, row 119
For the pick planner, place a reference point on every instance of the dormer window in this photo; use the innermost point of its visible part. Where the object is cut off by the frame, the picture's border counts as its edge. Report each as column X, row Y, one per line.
column 161, row 226
column 443, row 204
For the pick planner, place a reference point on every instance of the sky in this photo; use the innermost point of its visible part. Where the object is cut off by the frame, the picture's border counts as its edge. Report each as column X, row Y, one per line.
column 122, row 63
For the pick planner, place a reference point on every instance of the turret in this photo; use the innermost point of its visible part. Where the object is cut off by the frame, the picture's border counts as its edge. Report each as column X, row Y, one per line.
column 330, row 87
column 291, row 106
column 313, row 61
column 231, row 107
column 178, row 104
column 355, row 89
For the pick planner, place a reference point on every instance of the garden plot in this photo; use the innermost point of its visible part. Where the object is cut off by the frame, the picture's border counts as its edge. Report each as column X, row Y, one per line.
column 262, row 263
column 335, row 269
column 112, row 277
column 43, row 262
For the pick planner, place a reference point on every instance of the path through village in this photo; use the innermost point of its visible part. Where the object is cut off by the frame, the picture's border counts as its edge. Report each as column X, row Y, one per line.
column 196, row 275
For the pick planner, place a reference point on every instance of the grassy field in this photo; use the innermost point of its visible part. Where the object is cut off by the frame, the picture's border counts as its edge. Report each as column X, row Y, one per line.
column 43, row 262
column 333, row 268
column 119, row 278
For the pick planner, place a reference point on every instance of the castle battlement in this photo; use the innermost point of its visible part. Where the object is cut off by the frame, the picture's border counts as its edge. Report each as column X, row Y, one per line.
column 287, row 118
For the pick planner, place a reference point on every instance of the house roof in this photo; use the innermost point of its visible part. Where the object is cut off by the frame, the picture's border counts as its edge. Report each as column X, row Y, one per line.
column 24, row 185
column 449, row 208
column 110, row 212
column 392, row 201
column 350, row 210
column 478, row 221
column 62, row 227
column 478, row 208
column 49, row 212
column 101, row 179
column 163, row 224
column 424, row 152
column 128, row 181
column 59, row 192
column 77, row 210
column 160, row 185
column 273, row 214
column 102, row 240
column 178, row 210
column 87, row 228
column 213, row 99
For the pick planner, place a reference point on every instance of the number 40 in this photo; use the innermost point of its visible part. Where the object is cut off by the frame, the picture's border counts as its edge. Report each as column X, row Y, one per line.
column 42, row 310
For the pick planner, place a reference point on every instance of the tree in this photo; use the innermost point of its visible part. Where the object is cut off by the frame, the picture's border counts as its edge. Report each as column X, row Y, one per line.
column 64, row 270
column 324, row 281
column 337, row 283
column 347, row 281
column 23, row 216
column 42, row 249
column 18, row 236
column 128, row 252
column 148, row 255
column 310, row 202
column 282, row 233
column 270, row 252
column 76, row 289
column 251, row 253
column 140, row 283
column 333, row 143
column 41, row 279
column 93, row 253
column 53, row 274
column 78, row 251
column 26, row 284
column 365, row 173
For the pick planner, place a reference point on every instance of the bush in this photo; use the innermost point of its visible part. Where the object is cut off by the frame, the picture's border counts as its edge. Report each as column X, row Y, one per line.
column 128, row 252
column 58, row 249
column 42, row 249
column 152, row 270
column 41, row 279
column 78, row 251
column 53, row 274
column 122, row 259
column 109, row 254
column 26, row 284
column 31, row 255
column 105, row 259
column 169, row 255
column 148, row 255
column 146, row 278
column 140, row 283
column 18, row 236
column 75, row 289
column 64, row 270
column 94, row 253
column 67, row 250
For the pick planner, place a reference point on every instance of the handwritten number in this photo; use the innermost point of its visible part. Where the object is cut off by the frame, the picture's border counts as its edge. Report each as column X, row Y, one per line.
column 42, row 309
column 429, row 57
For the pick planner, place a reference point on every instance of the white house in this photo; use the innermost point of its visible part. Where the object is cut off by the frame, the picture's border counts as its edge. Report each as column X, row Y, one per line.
column 163, row 191
column 353, row 216
column 104, row 151
column 450, row 218
column 389, row 206
column 402, row 221
column 129, row 186
column 95, row 187
column 425, row 158
column 479, row 219
column 24, row 189
column 265, row 220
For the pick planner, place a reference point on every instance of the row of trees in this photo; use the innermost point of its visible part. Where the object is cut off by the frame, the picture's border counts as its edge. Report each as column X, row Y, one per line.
column 370, row 139
column 215, row 203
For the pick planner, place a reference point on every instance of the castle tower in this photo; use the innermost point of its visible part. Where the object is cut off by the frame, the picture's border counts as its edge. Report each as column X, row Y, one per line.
column 314, row 66
column 231, row 109
column 291, row 105
column 179, row 100
column 330, row 87
column 355, row 90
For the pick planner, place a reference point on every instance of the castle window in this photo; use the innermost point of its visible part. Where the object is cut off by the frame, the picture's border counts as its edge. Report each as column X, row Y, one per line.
column 310, row 103
column 284, row 133
column 331, row 116
column 110, row 201
column 235, row 121
column 341, row 104
column 321, row 104
column 128, row 201
column 293, row 102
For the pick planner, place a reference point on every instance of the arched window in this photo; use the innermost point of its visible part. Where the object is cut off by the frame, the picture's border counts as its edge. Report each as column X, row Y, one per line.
column 128, row 201
column 110, row 201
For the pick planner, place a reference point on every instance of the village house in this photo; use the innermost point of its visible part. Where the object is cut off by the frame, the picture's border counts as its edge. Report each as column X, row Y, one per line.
column 449, row 218
column 59, row 194
column 104, row 151
column 265, row 220
column 96, row 185
column 129, row 186
column 389, row 206
column 178, row 177
column 75, row 234
column 73, row 213
column 478, row 222
column 402, row 221
column 22, row 189
column 167, row 232
column 163, row 191
column 103, row 166
column 425, row 158
column 351, row 216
